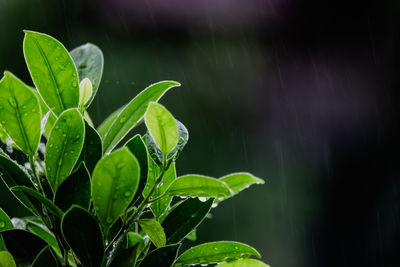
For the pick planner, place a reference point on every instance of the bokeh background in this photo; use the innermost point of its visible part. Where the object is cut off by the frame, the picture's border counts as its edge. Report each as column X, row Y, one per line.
column 303, row 93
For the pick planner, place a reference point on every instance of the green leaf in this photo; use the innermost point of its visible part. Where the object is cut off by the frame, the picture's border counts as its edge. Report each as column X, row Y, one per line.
column 5, row 222
column 216, row 252
column 159, row 206
column 92, row 150
column 106, row 124
column 46, row 258
column 182, row 141
column 164, row 256
column 154, row 230
column 2, row 245
column 135, row 239
column 52, row 70
column 83, row 235
column 240, row 181
column 243, row 263
column 133, row 112
column 114, row 183
column 51, row 118
column 89, row 61
column 85, row 92
column 6, row 259
column 192, row 236
column 24, row 246
column 137, row 147
column 41, row 231
column 64, row 147
column 185, row 218
column 20, row 113
column 12, row 175
column 162, row 127
column 35, row 195
column 74, row 190
column 198, row 186
column 154, row 151
column 126, row 258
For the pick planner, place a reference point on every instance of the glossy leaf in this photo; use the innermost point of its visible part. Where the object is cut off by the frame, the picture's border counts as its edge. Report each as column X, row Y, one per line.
column 85, row 92
column 135, row 239
column 137, row 147
column 46, row 258
column 89, row 61
column 154, row 230
column 133, row 112
column 6, row 259
column 185, row 218
column 41, row 231
column 35, row 195
column 20, row 113
column 74, row 190
column 24, row 246
column 92, row 149
column 52, row 70
column 83, row 235
column 198, row 186
column 164, row 256
column 48, row 118
column 243, row 263
column 240, row 181
column 154, row 151
column 114, row 183
column 216, row 252
column 162, row 127
column 64, row 147
column 5, row 222
column 106, row 124
column 182, row 141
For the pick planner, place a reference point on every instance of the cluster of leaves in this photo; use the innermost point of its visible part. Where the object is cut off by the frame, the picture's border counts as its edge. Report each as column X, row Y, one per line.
column 93, row 204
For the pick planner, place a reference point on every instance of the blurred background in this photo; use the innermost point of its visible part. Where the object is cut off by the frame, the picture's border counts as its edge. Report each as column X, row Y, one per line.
column 302, row 93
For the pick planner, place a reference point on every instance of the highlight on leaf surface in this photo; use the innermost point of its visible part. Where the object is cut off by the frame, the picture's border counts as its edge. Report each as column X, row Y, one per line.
column 85, row 91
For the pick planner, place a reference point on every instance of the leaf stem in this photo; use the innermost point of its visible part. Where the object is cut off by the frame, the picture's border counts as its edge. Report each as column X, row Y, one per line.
column 33, row 168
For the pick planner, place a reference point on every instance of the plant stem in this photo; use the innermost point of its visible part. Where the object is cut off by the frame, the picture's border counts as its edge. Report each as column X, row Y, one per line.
column 33, row 168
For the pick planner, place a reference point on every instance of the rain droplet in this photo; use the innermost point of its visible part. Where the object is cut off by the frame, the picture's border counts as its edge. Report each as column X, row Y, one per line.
column 74, row 84
column 51, row 145
column 203, row 199
column 127, row 194
column 33, row 110
column 122, row 120
column 25, row 114
column 3, row 122
column 2, row 224
column 109, row 220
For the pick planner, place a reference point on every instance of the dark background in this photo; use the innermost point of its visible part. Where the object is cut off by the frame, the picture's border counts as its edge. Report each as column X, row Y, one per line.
column 302, row 93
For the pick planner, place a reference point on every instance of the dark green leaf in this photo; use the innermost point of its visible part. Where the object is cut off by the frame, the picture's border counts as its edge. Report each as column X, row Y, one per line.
column 5, row 222
column 83, row 235
column 46, row 258
column 216, row 252
column 243, row 263
column 185, row 218
column 24, row 246
column 133, row 112
column 92, row 150
column 64, row 147
column 182, row 141
column 126, row 258
column 74, row 190
column 52, row 70
column 89, row 61
column 6, row 259
column 164, row 256
column 154, row 230
column 41, row 231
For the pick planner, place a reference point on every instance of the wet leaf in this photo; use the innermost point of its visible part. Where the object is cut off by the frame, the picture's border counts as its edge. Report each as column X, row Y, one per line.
column 20, row 113
column 40, row 230
column 5, row 222
column 64, row 147
column 92, row 150
column 240, row 181
column 164, row 256
column 154, row 151
column 154, row 230
column 182, row 141
column 243, row 263
column 52, row 70
column 46, row 258
column 126, row 258
column 6, row 259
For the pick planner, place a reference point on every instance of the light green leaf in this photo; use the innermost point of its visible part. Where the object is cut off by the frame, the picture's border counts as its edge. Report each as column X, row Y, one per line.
column 89, row 61
column 162, row 127
column 85, row 91
column 154, row 230
column 183, row 139
column 20, row 113
column 243, row 263
column 114, row 183
column 52, row 70
column 240, row 181
column 5, row 222
column 216, row 252
column 198, row 186
column 133, row 239
column 133, row 112
column 64, row 147
column 6, row 259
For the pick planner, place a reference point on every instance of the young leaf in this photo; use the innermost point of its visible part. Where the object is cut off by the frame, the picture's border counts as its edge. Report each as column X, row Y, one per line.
column 74, row 190
column 5, row 222
column 138, row 149
column 154, row 230
column 83, row 235
column 106, row 124
column 133, row 112
column 198, row 186
column 114, row 183
column 35, row 195
column 46, row 258
column 6, row 259
column 85, row 92
column 64, row 147
column 92, row 150
column 243, row 263
column 164, row 256
column 20, row 113
column 216, row 252
column 89, row 61
column 183, row 139
column 52, row 71
column 162, row 127
column 240, row 181
column 185, row 218
column 23, row 245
